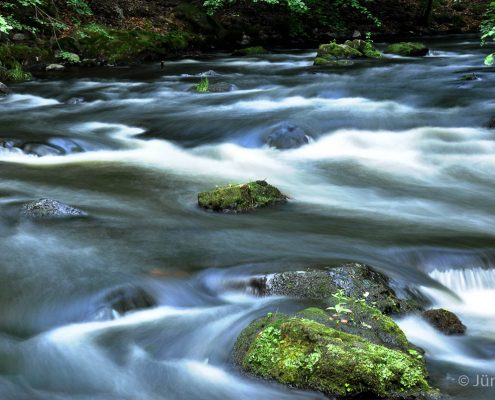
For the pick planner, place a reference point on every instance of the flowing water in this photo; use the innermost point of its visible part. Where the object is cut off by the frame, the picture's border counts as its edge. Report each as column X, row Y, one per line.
column 399, row 174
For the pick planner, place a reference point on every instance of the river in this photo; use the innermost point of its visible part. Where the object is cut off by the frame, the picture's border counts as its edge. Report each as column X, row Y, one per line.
column 399, row 174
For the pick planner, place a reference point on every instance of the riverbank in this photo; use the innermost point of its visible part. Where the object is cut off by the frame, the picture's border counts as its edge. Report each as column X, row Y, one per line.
column 126, row 33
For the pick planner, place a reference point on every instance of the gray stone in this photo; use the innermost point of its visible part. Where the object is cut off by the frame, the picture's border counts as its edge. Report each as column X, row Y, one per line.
column 55, row 67
column 47, row 208
column 4, row 90
column 287, row 136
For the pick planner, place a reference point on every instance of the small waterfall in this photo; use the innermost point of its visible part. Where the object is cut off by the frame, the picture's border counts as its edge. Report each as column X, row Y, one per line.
column 465, row 280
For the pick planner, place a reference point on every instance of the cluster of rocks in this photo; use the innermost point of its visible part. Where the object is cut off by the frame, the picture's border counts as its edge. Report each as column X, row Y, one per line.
column 334, row 54
column 346, row 345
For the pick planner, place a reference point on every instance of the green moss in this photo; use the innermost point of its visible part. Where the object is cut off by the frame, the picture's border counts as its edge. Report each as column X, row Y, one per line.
column 407, row 49
column 251, row 51
column 241, row 197
column 202, row 87
column 470, row 77
column 116, row 45
column 14, row 56
column 337, row 51
column 310, row 355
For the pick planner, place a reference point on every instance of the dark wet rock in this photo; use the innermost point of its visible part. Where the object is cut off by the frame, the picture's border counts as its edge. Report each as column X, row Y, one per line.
column 125, row 299
column 75, row 100
column 302, row 352
column 4, row 90
column 355, row 280
column 238, row 198
column 55, row 67
column 445, row 321
column 408, row 49
column 250, row 51
column 491, row 124
column 47, row 208
column 221, row 87
column 287, row 136
column 40, row 149
column 470, row 77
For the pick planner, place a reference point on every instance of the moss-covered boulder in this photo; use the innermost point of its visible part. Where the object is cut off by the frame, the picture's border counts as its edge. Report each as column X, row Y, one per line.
column 241, row 197
column 309, row 355
column 407, row 49
column 250, row 51
column 335, row 54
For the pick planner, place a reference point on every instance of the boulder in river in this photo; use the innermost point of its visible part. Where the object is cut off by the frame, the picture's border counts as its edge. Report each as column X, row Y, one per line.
column 75, row 100
column 125, row 299
column 445, row 321
column 287, row 136
column 307, row 354
column 47, row 208
column 221, row 87
column 491, row 123
column 250, row 51
column 354, row 279
column 408, row 49
column 332, row 53
column 236, row 198
column 4, row 90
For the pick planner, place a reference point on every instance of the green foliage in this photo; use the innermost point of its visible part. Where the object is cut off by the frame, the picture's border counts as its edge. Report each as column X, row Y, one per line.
column 488, row 31
column 14, row 74
column 80, row 7
column 294, row 5
column 5, row 27
column 202, row 86
column 69, row 57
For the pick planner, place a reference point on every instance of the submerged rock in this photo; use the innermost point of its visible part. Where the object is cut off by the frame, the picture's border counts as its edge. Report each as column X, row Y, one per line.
column 491, row 124
column 241, row 197
column 470, row 77
column 250, row 51
column 408, row 49
column 4, row 90
column 221, row 87
column 125, row 299
column 333, row 53
column 445, row 321
column 287, row 136
column 47, row 208
column 75, row 100
column 353, row 279
column 307, row 354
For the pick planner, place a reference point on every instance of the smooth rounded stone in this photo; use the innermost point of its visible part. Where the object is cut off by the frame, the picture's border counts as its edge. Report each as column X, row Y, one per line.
column 124, row 299
column 408, row 49
column 301, row 352
column 287, row 136
column 47, row 208
column 4, row 90
column 237, row 198
column 55, row 67
column 445, row 321
column 75, row 100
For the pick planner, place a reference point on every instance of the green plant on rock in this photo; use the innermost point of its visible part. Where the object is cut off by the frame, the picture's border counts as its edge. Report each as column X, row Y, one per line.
column 69, row 57
column 203, row 86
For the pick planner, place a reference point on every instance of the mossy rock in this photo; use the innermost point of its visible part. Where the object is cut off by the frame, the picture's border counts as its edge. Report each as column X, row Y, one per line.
column 366, row 48
column 241, row 197
column 445, row 321
column 309, row 355
column 250, row 51
column 337, row 51
column 407, row 49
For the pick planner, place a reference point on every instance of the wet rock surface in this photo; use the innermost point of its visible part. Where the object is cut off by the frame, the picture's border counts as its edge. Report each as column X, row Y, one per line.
column 48, row 209
column 445, row 321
